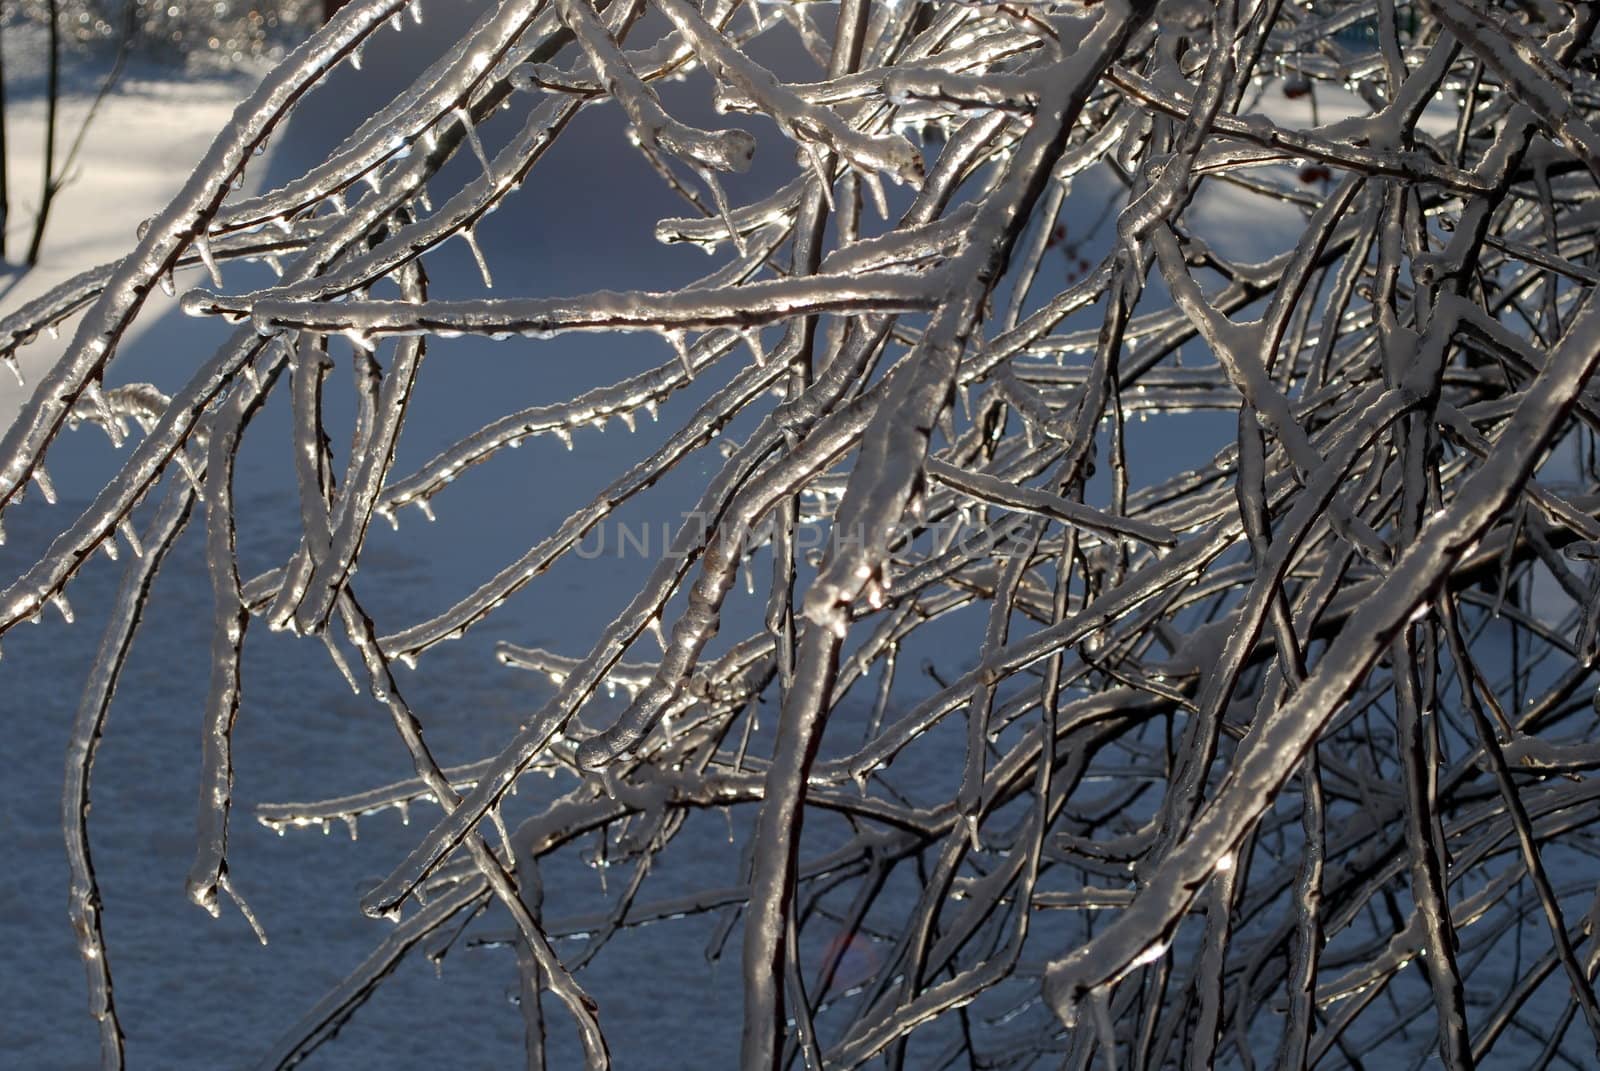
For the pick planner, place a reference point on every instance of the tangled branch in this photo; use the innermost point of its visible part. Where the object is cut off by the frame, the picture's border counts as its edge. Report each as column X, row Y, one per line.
column 1239, row 748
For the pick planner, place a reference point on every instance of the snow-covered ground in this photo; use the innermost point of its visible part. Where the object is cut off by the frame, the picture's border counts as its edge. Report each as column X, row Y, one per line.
column 138, row 150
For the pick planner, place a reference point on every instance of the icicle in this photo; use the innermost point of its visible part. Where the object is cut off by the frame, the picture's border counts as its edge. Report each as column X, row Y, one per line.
column 350, row 824
column 182, row 458
column 271, row 260
column 415, row 9
column 404, row 807
column 427, row 510
column 338, row 661
column 627, row 419
column 654, row 624
column 167, row 286
column 53, row 331
column 720, row 196
column 397, row 22
column 407, row 659
column 205, row 897
column 2, row 534
column 109, row 546
column 472, row 138
column 875, row 188
column 680, row 344
column 821, row 170
column 46, row 488
column 63, row 607
column 125, row 527
column 202, row 245
column 565, row 436
column 971, row 821
column 244, row 908
column 15, row 368
column 355, row 57
column 752, row 340
column 471, row 239
column 653, row 409
column 114, row 428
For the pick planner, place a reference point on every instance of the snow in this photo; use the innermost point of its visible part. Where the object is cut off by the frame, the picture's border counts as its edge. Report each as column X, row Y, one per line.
column 139, row 149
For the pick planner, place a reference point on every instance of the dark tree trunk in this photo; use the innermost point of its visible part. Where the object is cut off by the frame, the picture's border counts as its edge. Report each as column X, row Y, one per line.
column 47, row 188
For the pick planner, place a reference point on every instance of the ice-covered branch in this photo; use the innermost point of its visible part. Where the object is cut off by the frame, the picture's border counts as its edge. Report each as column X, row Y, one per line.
column 1180, row 502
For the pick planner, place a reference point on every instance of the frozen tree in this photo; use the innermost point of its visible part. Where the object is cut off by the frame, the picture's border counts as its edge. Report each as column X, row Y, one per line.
column 1280, row 757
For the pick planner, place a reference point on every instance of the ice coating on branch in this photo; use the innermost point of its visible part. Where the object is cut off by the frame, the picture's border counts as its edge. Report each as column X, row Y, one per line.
column 1258, row 675
column 727, row 150
column 807, row 123
column 169, row 233
column 753, row 304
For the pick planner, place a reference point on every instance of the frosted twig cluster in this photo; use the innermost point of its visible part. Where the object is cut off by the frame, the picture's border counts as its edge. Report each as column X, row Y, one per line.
column 1273, row 752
